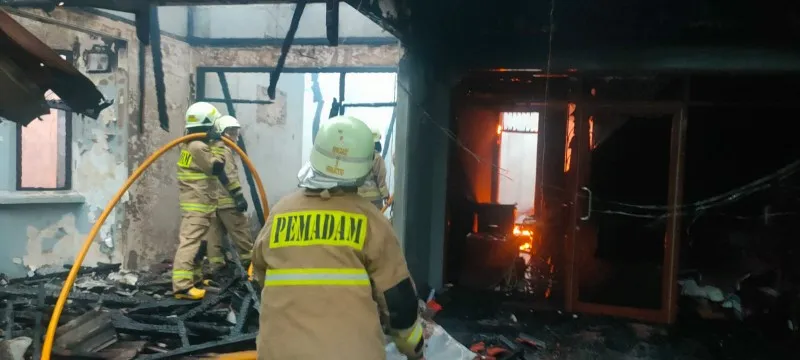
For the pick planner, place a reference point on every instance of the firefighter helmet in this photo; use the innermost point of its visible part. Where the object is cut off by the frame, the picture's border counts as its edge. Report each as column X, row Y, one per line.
column 201, row 114
column 343, row 149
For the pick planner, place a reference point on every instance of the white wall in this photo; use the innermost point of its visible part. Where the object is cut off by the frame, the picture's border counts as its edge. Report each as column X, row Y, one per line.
column 273, row 133
column 172, row 19
column 272, row 21
column 278, row 136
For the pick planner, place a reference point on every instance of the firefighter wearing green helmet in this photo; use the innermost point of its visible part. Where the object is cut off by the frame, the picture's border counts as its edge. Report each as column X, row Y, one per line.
column 331, row 264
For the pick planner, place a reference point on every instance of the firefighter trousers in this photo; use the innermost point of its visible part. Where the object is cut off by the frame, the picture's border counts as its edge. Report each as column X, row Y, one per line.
column 185, row 267
column 237, row 225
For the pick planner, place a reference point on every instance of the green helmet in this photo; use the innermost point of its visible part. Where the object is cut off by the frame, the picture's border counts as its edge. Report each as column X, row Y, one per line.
column 201, row 114
column 343, row 149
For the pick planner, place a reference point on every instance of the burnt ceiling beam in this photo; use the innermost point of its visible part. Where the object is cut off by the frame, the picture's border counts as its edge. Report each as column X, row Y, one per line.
column 158, row 68
column 332, row 21
column 287, row 45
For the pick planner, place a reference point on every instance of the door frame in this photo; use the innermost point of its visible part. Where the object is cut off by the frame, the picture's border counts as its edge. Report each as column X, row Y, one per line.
column 578, row 204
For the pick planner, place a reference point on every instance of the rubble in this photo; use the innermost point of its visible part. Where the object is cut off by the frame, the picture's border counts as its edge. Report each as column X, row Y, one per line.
column 121, row 315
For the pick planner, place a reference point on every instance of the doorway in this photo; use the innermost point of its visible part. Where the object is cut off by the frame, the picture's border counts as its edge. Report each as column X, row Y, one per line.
column 622, row 164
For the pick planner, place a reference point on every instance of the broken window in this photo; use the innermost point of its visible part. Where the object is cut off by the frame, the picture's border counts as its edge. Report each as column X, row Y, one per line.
column 519, row 141
column 43, row 154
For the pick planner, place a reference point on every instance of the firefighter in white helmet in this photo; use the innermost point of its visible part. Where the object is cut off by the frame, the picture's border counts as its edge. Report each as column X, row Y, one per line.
column 232, row 206
column 199, row 170
column 331, row 263
column 374, row 188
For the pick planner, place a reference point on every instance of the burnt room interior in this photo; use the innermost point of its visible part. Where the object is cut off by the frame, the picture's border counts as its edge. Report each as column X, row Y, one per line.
column 663, row 198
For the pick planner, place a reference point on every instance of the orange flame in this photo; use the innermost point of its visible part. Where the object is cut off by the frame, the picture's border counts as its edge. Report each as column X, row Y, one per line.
column 526, row 246
column 499, row 129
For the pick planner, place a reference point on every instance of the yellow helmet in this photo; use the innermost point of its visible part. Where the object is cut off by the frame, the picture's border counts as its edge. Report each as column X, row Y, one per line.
column 201, row 114
column 343, row 149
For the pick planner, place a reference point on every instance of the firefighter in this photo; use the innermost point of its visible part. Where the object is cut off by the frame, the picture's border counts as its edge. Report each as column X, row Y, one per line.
column 331, row 263
column 199, row 169
column 374, row 188
column 232, row 206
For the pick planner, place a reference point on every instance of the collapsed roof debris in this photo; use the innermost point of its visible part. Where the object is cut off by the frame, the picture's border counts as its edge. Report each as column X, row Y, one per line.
column 121, row 315
column 29, row 68
column 113, row 314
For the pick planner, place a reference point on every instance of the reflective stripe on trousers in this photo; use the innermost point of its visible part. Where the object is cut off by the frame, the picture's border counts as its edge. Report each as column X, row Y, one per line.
column 198, row 207
column 317, row 277
column 183, row 274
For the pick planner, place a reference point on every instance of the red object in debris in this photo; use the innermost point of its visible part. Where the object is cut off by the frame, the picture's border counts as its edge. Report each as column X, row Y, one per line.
column 477, row 347
column 434, row 306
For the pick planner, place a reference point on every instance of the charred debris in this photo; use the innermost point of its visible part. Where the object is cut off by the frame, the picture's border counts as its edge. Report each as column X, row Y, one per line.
column 114, row 314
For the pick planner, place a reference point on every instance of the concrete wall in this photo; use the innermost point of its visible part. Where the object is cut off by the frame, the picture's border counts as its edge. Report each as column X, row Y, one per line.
column 172, row 19
column 423, row 120
column 272, row 21
column 46, row 227
column 49, row 227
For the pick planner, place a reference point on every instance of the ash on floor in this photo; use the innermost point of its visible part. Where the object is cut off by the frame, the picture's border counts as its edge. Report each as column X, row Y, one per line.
column 474, row 316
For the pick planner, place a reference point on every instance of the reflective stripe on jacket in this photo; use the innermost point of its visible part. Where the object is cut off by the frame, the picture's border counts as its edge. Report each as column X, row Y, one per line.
column 323, row 262
column 224, row 199
column 195, row 182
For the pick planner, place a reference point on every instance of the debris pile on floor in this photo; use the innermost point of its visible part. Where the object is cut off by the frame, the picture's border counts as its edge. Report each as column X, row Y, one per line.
column 120, row 315
column 113, row 314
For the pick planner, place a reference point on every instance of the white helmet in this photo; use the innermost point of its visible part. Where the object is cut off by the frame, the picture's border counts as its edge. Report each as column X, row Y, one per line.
column 376, row 134
column 201, row 114
column 343, row 149
column 225, row 122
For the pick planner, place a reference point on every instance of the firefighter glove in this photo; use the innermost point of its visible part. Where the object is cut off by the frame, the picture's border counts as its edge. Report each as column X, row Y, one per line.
column 241, row 202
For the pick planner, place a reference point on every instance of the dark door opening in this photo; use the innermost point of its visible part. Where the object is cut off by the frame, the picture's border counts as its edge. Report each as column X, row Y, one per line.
column 622, row 261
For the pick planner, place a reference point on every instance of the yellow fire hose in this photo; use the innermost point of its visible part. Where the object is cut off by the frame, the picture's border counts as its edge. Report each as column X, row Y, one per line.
column 47, row 347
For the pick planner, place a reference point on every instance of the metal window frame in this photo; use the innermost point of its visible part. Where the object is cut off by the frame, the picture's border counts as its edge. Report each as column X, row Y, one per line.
column 67, row 148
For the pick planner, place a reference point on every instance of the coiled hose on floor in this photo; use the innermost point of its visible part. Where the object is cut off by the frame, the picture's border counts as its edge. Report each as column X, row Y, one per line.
column 47, row 347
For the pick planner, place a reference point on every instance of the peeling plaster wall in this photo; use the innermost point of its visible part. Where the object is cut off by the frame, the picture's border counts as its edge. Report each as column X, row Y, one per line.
column 105, row 151
column 38, row 234
column 300, row 56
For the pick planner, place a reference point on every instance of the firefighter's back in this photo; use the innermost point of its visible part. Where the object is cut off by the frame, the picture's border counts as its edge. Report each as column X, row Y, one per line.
column 317, row 301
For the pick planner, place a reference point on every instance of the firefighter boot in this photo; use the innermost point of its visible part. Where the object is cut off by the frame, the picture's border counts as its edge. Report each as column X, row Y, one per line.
column 191, row 294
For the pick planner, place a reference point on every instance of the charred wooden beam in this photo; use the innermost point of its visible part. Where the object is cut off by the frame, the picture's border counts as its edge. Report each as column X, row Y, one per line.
column 231, row 343
column 287, row 44
column 84, row 297
column 332, row 21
